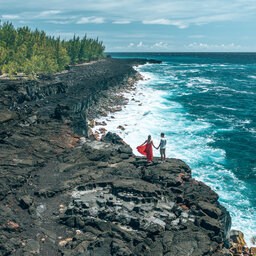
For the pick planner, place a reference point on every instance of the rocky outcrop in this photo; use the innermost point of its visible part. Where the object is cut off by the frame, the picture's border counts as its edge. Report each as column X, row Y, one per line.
column 99, row 199
column 39, row 118
column 63, row 194
column 76, row 95
column 144, row 209
column 238, row 245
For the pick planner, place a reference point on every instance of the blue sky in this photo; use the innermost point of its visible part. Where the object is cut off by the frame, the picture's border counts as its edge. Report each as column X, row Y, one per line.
column 143, row 25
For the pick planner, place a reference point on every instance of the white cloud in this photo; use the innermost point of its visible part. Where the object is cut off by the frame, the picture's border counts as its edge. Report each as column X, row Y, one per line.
column 10, row 17
column 179, row 13
column 212, row 47
column 160, row 45
column 48, row 13
column 145, row 10
column 121, row 22
column 182, row 12
column 201, row 20
column 92, row 19
column 157, row 46
column 198, row 45
column 140, row 44
column 213, row 18
column 159, row 22
column 179, row 24
column 59, row 21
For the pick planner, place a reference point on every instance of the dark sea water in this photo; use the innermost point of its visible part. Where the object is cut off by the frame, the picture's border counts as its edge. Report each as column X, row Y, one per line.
column 206, row 105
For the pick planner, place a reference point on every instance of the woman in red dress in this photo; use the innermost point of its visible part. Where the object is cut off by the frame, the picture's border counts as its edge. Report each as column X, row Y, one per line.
column 147, row 149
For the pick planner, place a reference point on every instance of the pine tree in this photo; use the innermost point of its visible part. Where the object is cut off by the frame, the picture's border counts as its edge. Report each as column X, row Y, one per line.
column 33, row 52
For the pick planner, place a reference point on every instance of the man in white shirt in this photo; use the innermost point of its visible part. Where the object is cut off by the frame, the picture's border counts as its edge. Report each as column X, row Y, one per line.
column 162, row 147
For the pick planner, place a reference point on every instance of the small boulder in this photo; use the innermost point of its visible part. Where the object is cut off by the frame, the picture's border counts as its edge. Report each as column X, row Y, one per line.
column 125, row 149
column 103, row 123
column 6, row 115
column 209, row 209
column 114, row 109
column 104, row 113
column 92, row 124
column 237, row 237
column 26, row 202
column 253, row 251
column 113, row 138
column 121, row 127
column 32, row 119
column 210, row 224
column 102, row 130
column 32, row 246
column 61, row 111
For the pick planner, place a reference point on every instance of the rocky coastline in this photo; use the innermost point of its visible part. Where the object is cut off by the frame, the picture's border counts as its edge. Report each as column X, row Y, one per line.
column 64, row 191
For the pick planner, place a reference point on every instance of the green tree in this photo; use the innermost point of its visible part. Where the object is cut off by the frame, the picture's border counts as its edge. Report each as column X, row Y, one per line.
column 61, row 55
column 33, row 52
column 3, row 56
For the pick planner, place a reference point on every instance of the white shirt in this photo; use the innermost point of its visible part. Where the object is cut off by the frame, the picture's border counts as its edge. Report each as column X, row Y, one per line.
column 163, row 143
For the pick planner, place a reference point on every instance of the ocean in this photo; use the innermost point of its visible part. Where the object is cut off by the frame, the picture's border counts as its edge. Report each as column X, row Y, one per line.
column 205, row 103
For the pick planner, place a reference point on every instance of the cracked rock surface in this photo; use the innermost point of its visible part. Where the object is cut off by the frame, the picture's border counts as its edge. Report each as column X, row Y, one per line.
column 133, row 208
column 65, row 195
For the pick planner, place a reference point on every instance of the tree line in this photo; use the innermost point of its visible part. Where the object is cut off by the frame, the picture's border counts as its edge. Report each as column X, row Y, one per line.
column 32, row 52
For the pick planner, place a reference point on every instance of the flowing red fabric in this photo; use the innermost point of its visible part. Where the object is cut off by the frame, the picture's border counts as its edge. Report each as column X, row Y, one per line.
column 146, row 150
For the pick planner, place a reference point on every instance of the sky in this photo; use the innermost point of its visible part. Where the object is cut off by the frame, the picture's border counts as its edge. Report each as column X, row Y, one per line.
column 143, row 25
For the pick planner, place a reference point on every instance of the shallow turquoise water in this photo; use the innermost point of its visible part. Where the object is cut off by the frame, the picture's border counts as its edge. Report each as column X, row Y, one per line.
column 206, row 105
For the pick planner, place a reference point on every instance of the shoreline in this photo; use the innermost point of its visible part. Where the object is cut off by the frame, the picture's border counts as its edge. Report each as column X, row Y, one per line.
column 99, row 124
column 108, row 120
column 43, row 164
column 129, row 94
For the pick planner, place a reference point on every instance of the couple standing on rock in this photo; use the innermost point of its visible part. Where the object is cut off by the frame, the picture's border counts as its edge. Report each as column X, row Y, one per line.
column 147, row 148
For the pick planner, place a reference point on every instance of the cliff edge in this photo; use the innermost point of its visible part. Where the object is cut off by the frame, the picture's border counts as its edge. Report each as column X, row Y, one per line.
column 64, row 194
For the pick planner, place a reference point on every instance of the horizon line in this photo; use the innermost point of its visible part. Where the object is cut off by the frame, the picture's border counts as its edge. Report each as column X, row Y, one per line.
column 177, row 52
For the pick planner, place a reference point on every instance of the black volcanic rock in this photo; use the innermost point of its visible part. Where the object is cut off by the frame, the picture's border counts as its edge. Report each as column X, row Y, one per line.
column 62, row 197
column 121, row 202
column 113, row 138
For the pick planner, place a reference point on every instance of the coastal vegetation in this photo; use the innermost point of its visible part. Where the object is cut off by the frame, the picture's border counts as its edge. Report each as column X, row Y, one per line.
column 32, row 52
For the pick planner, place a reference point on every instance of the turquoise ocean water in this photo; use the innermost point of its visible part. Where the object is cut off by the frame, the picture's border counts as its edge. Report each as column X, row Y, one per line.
column 206, row 105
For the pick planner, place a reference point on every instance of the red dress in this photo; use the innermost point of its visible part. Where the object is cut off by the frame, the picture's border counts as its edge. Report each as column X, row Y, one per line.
column 146, row 150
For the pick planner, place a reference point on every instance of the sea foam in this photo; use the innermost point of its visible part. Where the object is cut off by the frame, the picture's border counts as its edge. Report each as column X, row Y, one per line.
column 152, row 110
